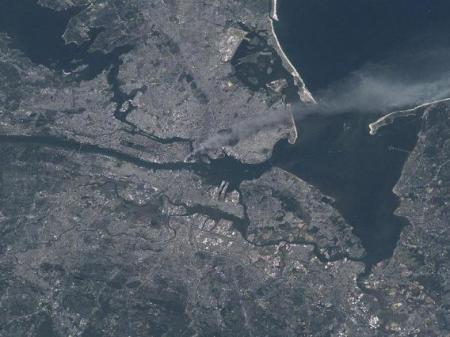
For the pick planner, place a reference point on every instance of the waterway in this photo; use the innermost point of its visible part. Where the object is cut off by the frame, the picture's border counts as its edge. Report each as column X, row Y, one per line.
column 327, row 41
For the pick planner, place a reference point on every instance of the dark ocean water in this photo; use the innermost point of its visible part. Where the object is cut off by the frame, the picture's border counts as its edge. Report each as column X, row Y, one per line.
column 327, row 40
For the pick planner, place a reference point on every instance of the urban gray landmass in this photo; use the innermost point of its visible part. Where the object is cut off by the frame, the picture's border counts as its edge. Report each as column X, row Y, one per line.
column 109, row 226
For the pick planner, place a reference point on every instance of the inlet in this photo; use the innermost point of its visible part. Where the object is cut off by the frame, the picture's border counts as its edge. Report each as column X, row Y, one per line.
column 328, row 41
column 37, row 32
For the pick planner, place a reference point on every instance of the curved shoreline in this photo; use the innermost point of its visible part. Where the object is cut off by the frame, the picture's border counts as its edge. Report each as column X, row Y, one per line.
column 390, row 117
column 303, row 92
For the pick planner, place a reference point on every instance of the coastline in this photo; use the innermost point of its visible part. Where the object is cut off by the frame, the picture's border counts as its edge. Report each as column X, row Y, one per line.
column 390, row 117
column 274, row 10
column 303, row 92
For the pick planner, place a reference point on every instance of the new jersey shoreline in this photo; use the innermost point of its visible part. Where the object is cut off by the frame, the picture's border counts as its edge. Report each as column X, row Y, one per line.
column 303, row 92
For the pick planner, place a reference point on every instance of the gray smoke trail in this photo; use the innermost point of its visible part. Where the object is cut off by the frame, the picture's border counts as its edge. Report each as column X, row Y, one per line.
column 241, row 131
column 375, row 95
column 402, row 80
column 417, row 72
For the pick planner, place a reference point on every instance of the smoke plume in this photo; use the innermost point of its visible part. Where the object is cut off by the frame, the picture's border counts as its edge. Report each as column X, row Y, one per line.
column 401, row 80
column 242, row 131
